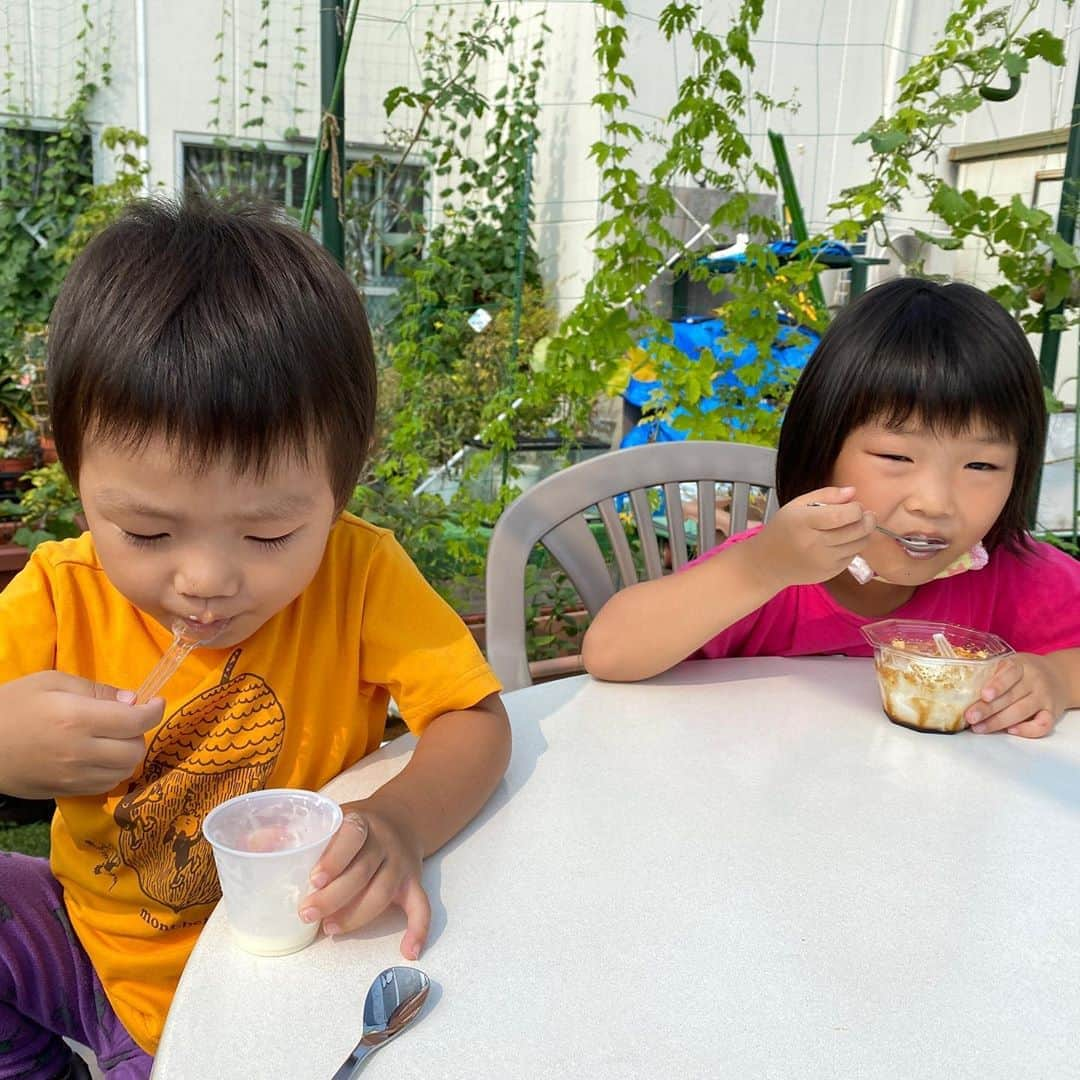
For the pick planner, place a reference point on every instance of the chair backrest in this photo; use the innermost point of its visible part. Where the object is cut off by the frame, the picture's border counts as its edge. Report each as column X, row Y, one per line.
column 553, row 513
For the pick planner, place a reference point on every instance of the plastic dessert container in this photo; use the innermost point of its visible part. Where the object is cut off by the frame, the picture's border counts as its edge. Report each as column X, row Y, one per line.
column 930, row 673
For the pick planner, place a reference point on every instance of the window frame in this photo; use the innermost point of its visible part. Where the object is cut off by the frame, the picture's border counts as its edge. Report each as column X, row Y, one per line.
column 383, row 285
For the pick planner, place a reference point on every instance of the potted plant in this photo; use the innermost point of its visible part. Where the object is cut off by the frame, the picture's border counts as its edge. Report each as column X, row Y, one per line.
column 31, row 377
column 18, row 455
column 48, row 508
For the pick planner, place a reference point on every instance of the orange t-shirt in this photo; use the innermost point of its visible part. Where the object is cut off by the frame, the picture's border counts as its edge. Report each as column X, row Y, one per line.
column 299, row 701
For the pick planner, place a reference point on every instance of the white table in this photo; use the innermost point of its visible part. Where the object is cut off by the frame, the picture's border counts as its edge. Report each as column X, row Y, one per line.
column 739, row 869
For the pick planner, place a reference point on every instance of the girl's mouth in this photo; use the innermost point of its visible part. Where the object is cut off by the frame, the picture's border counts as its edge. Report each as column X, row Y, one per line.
column 920, row 554
column 920, row 546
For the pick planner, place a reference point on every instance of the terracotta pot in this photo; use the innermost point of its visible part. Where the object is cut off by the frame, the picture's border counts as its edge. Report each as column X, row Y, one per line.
column 15, row 466
column 48, row 449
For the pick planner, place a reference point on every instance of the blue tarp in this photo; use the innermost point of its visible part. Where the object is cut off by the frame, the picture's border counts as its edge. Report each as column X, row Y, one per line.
column 832, row 252
column 792, row 349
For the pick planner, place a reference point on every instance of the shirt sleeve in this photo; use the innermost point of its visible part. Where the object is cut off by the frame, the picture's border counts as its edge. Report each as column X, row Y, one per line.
column 415, row 644
column 732, row 640
column 27, row 623
column 1038, row 601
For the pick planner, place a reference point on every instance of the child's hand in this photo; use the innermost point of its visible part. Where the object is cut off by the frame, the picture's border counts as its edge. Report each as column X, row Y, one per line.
column 806, row 543
column 1025, row 696
column 372, row 862
column 62, row 735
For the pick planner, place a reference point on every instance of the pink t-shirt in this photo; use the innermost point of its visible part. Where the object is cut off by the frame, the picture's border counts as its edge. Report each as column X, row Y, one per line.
column 1030, row 600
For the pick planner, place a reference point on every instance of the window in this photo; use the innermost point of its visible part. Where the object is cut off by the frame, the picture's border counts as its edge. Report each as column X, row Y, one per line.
column 25, row 155
column 279, row 176
column 383, row 203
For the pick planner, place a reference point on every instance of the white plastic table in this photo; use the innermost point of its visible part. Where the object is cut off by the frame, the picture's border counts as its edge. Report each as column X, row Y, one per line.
column 739, row 869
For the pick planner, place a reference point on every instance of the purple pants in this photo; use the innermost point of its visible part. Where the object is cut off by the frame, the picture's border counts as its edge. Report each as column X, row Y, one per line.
column 48, row 987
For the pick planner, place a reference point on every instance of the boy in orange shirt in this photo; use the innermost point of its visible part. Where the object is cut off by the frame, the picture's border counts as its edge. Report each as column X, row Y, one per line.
column 212, row 387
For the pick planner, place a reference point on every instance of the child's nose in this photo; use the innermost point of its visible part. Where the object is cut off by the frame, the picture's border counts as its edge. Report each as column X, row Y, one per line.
column 206, row 580
column 931, row 495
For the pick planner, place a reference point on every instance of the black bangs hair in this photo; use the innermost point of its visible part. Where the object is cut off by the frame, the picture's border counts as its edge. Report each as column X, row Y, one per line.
column 224, row 329
column 947, row 356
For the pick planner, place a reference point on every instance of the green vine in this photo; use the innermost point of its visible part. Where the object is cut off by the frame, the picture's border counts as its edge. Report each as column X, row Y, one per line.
column 479, row 256
column 50, row 207
column 703, row 142
column 220, row 78
column 978, row 48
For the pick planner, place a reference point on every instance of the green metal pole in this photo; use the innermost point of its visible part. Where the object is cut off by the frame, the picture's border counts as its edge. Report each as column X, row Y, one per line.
column 794, row 207
column 1066, row 227
column 330, row 53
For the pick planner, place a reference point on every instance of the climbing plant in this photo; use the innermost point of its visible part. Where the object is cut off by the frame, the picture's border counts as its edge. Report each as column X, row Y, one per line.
column 46, row 177
column 473, row 277
column 980, row 49
column 702, row 140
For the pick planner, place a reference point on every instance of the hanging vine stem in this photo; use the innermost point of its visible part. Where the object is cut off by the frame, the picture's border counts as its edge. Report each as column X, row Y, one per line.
column 219, row 78
column 298, row 68
column 325, row 123
column 261, row 47
column 264, row 63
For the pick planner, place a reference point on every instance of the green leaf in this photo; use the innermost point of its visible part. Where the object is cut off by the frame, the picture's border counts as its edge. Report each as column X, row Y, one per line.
column 1065, row 255
column 1015, row 64
column 1047, row 45
column 888, row 141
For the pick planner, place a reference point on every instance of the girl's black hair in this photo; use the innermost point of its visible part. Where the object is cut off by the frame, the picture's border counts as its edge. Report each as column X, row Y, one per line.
column 948, row 356
column 224, row 329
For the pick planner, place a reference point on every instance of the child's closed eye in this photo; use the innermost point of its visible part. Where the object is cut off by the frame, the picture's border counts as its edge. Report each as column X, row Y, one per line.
column 274, row 541
column 143, row 539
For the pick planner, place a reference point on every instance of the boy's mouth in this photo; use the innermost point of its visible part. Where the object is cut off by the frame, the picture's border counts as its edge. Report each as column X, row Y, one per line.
column 204, row 627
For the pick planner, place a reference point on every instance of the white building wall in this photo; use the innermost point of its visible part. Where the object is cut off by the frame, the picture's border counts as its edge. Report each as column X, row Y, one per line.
column 838, row 59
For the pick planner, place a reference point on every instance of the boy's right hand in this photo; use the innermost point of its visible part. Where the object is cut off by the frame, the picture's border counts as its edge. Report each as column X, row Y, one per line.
column 62, row 735
column 805, row 543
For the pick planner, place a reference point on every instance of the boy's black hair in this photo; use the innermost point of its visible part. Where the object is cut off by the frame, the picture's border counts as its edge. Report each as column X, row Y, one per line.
column 223, row 328
column 945, row 355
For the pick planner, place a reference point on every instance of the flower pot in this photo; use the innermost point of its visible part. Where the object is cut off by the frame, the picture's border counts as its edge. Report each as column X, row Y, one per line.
column 48, row 449
column 10, row 470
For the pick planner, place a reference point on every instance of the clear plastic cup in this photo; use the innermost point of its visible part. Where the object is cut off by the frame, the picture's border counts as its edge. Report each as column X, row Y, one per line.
column 266, row 844
column 922, row 687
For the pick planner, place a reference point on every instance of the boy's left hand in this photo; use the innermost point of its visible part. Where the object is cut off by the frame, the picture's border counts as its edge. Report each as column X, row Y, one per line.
column 1025, row 696
column 372, row 861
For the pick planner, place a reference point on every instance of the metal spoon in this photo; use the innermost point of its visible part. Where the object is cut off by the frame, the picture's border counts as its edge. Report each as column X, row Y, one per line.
column 912, row 543
column 915, row 543
column 393, row 1001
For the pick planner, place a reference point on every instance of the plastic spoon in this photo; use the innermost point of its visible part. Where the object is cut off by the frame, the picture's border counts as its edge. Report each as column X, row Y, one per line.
column 393, row 1001
column 186, row 636
column 942, row 643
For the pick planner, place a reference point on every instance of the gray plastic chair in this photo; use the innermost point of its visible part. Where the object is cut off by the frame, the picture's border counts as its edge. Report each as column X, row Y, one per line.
column 553, row 514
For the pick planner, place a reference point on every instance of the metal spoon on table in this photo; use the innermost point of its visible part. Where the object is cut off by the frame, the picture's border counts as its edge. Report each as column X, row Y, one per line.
column 393, row 1001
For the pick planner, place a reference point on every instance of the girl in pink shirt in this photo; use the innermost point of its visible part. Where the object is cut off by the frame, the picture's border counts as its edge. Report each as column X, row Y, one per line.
column 921, row 410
